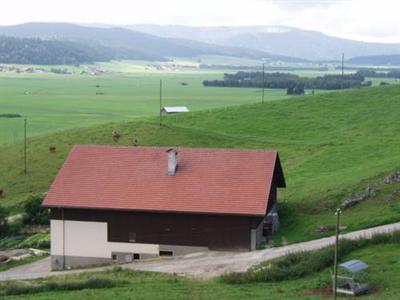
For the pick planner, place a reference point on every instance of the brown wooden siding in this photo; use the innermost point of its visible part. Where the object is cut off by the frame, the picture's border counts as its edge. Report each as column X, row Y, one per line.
column 219, row 232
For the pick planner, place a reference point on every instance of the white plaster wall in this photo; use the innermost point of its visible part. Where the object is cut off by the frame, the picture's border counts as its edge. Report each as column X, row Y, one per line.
column 56, row 233
column 89, row 239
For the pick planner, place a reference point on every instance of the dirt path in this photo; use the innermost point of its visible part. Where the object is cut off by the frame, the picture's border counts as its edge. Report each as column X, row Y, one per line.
column 202, row 265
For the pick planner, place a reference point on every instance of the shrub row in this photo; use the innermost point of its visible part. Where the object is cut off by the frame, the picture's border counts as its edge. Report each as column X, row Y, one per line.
column 300, row 264
column 23, row 287
column 10, row 116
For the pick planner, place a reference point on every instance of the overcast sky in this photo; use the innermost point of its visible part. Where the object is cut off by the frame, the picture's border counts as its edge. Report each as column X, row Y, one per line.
column 369, row 20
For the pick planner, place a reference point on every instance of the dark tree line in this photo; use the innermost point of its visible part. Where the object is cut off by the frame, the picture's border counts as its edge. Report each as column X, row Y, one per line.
column 288, row 81
column 374, row 74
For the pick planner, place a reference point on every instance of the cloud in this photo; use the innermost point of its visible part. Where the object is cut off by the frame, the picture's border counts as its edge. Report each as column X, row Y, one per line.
column 360, row 19
column 303, row 4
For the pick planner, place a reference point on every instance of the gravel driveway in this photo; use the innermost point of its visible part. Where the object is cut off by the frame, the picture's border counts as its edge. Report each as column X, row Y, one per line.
column 201, row 265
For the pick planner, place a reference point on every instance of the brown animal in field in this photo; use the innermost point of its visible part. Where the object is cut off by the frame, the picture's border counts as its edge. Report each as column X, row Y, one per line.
column 52, row 149
column 116, row 135
column 1, row 193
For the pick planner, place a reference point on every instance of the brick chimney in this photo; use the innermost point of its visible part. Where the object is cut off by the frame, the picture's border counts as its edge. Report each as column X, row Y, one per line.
column 172, row 161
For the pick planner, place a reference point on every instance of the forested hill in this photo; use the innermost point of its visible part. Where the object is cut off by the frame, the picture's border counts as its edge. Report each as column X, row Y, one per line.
column 122, row 43
column 49, row 52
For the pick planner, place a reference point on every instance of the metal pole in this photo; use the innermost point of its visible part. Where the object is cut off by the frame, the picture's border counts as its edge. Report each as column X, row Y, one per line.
column 263, row 82
column 25, row 144
column 337, row 213
column 342, row 64
column 160, row 100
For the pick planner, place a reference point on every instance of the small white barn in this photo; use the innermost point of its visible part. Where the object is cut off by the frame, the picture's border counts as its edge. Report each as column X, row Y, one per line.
column 166, row 110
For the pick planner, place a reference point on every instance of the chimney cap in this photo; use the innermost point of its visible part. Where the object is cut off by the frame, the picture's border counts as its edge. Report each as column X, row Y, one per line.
column 172, row 149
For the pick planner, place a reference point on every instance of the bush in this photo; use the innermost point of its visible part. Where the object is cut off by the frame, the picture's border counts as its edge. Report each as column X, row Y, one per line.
column 3, row 221
column 10, row 116
column 299, row 264
column 38, row 240
column 20, row 288
column 35, row 214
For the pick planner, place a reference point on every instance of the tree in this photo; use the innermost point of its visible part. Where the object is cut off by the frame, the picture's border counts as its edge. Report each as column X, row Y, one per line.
column 290, row 90
column 299, row 90
column 34, row 212
column 3, row 221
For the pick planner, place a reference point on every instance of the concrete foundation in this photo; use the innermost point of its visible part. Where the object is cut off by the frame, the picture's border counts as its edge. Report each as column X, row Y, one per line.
column 76, row 262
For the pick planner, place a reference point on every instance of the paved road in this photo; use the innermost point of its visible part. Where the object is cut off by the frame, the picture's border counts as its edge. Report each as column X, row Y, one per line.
column 202, row 265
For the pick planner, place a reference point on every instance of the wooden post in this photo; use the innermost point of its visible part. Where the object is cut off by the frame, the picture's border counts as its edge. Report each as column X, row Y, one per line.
column 337, row 213
column 25, row 145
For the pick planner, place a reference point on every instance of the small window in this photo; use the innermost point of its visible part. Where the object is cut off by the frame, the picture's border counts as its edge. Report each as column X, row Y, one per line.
column 128, row 258
column 114, row 257
column 136, row 256
column 132, row 237
column 166, row 253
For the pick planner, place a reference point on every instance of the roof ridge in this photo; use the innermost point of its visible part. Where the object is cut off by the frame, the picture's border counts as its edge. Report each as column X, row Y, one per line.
column 177, row 147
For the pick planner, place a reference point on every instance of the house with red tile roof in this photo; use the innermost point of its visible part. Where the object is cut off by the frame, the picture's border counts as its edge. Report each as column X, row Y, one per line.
column 111, row 203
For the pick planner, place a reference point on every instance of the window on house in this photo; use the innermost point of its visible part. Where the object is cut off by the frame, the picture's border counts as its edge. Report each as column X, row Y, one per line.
column 128, row 257
column 114, row 257
column 166, row 253
column 136, row 256
column 132, row 237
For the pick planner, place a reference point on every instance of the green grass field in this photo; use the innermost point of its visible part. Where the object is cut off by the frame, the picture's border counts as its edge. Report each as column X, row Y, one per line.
column 56, row 102
column 331, row 145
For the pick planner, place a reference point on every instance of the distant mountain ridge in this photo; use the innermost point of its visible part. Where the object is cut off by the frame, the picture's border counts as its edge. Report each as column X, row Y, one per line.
column 377, row 60
column 129, row 44
column 282, row 40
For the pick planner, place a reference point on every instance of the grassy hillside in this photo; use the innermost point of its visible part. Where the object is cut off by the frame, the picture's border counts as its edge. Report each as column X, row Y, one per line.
column 58, row 102
column 331, row 145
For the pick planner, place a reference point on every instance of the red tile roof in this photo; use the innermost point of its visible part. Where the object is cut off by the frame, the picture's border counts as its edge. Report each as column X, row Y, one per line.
column 216, row 181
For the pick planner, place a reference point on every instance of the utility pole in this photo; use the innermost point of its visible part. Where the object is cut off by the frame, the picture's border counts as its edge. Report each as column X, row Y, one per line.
column 342, row 64
column 337, row 213
column 342, row 84
column 25, row 145
column 263, row 82
column 160, row 100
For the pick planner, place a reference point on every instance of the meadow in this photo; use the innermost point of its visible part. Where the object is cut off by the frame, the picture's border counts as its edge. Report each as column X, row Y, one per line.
column 53, row 102
column 331, row 145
